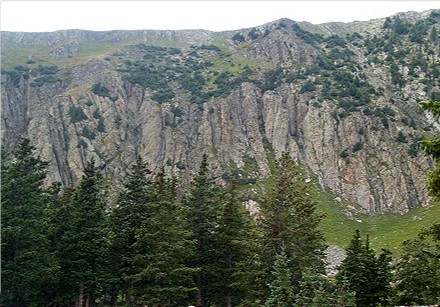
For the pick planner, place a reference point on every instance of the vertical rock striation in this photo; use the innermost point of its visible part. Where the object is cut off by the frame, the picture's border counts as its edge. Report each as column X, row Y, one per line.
column 355, row 153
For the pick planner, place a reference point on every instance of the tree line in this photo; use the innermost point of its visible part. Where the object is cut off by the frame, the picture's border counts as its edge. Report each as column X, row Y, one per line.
column 155, row 246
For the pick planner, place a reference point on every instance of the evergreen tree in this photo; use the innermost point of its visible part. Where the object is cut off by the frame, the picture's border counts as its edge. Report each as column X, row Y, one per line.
column 83, row 248
column 366, row 274
column 319, row 291
column 61, row 216
column 203, row 205
column 383, row 277
column 418, row 270
column 281, row 287
column 163, row 247
column 350, row 270
column 432, row 148
column 288, row 219
column 235, row 253
column 28, row 266
column 130, row 212
column 433, row 36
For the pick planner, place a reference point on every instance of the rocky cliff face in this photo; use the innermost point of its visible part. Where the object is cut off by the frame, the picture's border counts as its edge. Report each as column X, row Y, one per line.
column 344, row 105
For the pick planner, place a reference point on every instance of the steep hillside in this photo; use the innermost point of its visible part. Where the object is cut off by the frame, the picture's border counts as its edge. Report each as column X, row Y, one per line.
column 342, row 99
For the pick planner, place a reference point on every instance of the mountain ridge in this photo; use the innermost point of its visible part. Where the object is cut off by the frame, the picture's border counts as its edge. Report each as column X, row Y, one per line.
column 331, row 101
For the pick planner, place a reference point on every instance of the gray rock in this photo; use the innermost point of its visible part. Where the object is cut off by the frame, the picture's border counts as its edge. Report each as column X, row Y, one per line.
column 334, row 256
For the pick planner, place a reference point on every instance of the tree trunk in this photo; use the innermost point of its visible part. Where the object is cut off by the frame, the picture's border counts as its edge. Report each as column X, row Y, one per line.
column 113, row 297
column 81, row 296
column 91, row 299
column 199, row 298
column 228, row 300
column 128, row 298
column 229, row 292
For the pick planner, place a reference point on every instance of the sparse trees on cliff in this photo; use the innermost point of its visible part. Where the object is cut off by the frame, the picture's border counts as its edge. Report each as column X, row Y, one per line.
column 432, row 149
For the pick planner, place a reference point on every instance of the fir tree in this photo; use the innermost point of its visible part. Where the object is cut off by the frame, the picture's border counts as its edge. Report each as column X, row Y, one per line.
column 61, row 216
column 350, row 270
column 83, row 248
column 28, row 265
column 203, row 205
column 318, row 290
column 383, row 277
column 128, row 216
column 366, row 274
column 417, row 274
column 163, row 247
column 235, row 252
column 288, row 218
column 282, row 289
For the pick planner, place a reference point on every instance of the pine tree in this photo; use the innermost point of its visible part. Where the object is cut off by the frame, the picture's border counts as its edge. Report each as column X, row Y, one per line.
column 83, row 248
column 366, row 274
column 288, row 219
column 418, row 270
column 126, row 218
column 203, row 204
column 350, row 270
column 163, row 247
column 417, row 274
column 61, row 216
column 318, row 290
column 282, row 289
column 28, row 266
column 235, row 252
column 383, row 277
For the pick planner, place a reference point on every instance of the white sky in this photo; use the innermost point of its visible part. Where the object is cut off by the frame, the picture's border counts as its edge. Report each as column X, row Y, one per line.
column 44, row 16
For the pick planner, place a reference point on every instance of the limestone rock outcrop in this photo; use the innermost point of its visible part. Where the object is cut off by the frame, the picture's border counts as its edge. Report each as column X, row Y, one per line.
column 75, row 94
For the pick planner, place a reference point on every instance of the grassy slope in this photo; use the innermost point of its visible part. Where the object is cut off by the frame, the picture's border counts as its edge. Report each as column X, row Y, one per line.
column 19, row 54
column 386, row 230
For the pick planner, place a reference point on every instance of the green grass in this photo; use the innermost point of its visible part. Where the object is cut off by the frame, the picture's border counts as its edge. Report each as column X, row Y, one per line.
column 391, row 229
column 90, row 50
column 19, row 54
column 337, row 227
column 229, row 61
column 387, row 230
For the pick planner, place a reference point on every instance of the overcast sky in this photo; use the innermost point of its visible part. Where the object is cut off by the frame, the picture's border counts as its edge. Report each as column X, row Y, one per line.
column 44, row 16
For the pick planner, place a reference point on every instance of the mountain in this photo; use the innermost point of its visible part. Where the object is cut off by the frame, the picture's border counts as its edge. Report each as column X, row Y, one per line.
column 341, row 98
